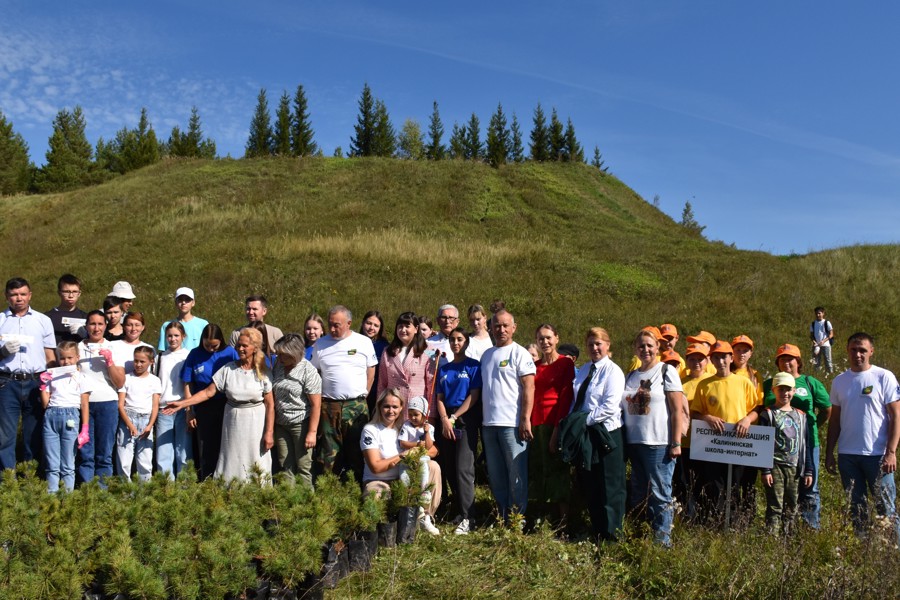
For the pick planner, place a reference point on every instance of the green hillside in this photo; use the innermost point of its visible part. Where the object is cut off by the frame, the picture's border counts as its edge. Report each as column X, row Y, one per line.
column 561, row 243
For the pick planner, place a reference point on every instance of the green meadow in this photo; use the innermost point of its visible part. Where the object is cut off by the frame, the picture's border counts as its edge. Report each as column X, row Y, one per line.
column 559, row 243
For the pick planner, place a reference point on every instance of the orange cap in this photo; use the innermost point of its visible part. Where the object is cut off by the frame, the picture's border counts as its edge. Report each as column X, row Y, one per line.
column 704, row 337
column 721, row 347
column 742, row 339
column 788, row 350
column 654, row 330
column 668, row 330
column 697, row 349
column 669, row 356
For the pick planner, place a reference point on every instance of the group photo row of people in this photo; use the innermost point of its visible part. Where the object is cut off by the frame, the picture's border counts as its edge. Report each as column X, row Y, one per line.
column 96, row 400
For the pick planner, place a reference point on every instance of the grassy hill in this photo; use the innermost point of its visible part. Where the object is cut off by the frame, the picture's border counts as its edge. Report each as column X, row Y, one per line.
column 560, row 243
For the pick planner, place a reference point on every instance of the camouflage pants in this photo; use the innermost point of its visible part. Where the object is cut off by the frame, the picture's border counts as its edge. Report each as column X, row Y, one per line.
column 340, row 427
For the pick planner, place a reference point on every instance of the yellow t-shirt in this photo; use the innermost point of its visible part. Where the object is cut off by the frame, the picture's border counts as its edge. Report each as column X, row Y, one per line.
column 689, row 387
column 743, row 372
column 729, row 398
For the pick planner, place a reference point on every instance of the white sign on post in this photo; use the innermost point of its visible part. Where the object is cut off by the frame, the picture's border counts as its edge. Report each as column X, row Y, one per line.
column 755, row 450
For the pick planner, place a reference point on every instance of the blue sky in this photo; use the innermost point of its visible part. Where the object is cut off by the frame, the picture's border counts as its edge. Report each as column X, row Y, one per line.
column 777, row 121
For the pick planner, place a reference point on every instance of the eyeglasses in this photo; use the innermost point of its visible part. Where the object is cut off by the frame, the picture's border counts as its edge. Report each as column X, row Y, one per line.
column 69, row 292
column 447, row 318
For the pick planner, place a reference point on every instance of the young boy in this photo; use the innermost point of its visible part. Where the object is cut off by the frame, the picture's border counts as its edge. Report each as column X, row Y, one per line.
column 417, row 432
column 793, row 464
column 821, row 333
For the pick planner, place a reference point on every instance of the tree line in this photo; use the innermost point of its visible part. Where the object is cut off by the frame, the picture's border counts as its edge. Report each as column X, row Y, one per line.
column 72, row 162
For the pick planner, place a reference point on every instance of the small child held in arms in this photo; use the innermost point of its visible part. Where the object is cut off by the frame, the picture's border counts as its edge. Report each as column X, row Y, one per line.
column 64, row 394
column 417, row 432
column 138, row 407
column 793, row 464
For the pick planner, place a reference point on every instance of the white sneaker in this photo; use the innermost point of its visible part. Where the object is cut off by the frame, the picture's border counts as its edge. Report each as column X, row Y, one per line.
column 462, row 528
column 427, row 524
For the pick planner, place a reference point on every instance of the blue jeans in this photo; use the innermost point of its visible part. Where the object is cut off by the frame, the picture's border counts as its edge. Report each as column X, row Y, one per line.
column 651, row 481
column 134, row 449
column 861, row 475
column 61, row 427
column 95, row 458
column 20, row 399
column 507, row 463
column 808, row 499
column 173, row 443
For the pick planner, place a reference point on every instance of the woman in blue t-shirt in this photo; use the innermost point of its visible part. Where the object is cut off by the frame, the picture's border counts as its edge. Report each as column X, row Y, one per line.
column 459, row 408
column 206, row 418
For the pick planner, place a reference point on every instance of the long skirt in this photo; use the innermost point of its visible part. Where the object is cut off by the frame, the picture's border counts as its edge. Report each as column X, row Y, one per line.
column 242, row 446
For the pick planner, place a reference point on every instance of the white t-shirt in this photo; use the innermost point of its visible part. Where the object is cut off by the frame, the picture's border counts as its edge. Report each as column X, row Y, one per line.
column 66, row 390
column 123, row 354
column 863, row 398
column 411, row 433
column 376, row 436
column 502, row 368
column 441, row 342
column 820, row 330
column 478, row 346
column 649, row 424
column 170, row 364
column 139, row 392
column 93, row 367
column 242, row 387
column 343, row 364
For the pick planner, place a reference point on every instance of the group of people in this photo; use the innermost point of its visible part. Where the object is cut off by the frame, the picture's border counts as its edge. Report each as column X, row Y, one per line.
column 93, row 397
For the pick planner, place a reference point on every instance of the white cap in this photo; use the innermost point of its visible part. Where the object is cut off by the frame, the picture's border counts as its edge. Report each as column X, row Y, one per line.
column 184, row 291
column 122, row 289
column 418, row 403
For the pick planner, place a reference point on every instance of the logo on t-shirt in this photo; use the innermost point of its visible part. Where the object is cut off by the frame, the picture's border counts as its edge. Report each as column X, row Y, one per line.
column 367, row 440
column 712, row 400
column 504, row 363
column 351, row 352
column 867, row 390
column 463, row 375
column 199, row 369
column 801, row 392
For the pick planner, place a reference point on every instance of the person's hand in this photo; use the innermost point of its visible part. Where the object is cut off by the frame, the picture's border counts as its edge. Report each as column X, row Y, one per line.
column 768, row 480
column 310, row 441
column 447, row 430
column 190, row 419
column 268, row 441
column 674, row 451
column 146, row 432
column 173, row 407
column 525, row 430
column 74, row 329
column 84, row 436
column 831, row 464
column 889, row 462
column 132, row 430
column 46, row 378
column 807, row 481
column 10, row 347
column 715, row 422
column 742, row 427
column 106, row 353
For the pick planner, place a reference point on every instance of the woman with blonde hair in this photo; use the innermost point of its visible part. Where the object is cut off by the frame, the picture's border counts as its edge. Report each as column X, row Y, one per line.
column 249, row 423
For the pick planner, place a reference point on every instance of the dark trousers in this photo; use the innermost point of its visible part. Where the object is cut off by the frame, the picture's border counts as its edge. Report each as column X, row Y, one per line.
column 713, row 479
column 457, row 460
column 604, row 488
column 210, row 415
column 21, row 399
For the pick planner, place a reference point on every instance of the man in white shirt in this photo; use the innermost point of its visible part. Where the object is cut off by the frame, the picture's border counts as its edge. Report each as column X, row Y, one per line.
column 347, row 362
column 507, row 373
column 27, row 344
column 865, row 425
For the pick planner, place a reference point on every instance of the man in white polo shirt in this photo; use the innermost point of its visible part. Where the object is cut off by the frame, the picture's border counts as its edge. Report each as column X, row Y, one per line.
column 865, row 425
column 347, row 362
column 507, row 378
column 27, row 344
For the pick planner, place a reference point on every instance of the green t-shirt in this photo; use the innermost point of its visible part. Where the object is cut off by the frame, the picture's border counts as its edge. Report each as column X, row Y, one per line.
column 809, row 394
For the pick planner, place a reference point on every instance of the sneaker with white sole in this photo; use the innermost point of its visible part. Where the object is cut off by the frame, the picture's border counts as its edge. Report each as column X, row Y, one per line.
column 462, row 528
column 426, row 523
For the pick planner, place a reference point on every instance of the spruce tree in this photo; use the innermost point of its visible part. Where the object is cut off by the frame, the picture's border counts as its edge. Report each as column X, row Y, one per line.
column 281, row 141
column 573, row 152
column 689, row 222
column 259, row 142
column 190, row 144
column 68, row 154
column 361, row 144
column 540, row 136
column 384, row 142
column 15, row 166
column 411, row 143
column 474, row 149
column 146, row 144
column 557, row 137
column 457, row 142
column 597, row 162
column 498, row 139
column 302, row 143
column 516, row 151
column 435, row 149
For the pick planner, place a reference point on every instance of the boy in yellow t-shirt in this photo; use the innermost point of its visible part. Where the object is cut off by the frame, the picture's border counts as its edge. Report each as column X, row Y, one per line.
column 725, row 398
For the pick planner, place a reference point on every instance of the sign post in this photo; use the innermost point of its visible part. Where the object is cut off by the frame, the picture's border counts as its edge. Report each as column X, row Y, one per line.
column 757, row 449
